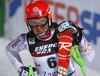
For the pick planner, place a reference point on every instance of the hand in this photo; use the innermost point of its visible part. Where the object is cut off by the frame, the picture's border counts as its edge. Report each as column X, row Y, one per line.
column 76, row 31
column 67, row 25
column 24, row 71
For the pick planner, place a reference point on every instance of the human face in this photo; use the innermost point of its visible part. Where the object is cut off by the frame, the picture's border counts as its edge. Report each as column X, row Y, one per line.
column 39, row 28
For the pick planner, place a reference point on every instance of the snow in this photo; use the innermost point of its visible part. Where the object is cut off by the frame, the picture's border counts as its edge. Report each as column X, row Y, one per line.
column 6, row 68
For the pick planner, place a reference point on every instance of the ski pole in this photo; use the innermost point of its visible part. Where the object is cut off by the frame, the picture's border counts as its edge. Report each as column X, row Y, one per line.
column 31, row 73
column 77, row 59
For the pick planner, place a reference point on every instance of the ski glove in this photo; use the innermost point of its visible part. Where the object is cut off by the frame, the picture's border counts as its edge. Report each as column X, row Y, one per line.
column 24, row 71
column 76, row 31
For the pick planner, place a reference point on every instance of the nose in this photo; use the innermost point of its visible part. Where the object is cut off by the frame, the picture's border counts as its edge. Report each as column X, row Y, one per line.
column 38, row 26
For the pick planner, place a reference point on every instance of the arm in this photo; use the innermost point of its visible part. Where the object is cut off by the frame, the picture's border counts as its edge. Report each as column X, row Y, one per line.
column 13, row 49
column 86, row 50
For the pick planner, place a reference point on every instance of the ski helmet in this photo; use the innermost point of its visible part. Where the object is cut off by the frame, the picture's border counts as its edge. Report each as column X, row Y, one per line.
column 38, row 9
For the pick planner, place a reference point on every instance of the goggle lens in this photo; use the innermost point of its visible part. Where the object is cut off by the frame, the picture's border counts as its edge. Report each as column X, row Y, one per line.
column 34, row 22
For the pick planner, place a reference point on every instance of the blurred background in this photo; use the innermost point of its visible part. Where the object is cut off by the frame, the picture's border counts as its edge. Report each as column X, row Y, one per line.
column 84, row 13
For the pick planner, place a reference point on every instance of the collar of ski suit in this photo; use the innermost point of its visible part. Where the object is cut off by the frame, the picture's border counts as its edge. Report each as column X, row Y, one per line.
column 48, row 36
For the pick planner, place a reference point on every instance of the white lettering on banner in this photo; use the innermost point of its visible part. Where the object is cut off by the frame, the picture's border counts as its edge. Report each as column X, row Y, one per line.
column 45, row 48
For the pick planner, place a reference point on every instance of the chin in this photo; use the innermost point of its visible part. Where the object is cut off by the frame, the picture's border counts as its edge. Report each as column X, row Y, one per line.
column 43, row 34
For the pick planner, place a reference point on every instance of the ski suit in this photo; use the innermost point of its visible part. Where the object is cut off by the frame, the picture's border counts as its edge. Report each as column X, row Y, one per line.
column 44, row 51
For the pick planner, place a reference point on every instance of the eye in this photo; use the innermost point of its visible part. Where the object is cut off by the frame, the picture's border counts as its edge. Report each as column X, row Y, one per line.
column 43, row 21
column 32, row 23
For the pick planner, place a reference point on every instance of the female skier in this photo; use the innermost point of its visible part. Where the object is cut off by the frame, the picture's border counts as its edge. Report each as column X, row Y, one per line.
column 42, row 42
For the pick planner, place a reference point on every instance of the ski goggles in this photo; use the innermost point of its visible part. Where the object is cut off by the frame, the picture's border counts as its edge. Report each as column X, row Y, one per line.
column 34, row 23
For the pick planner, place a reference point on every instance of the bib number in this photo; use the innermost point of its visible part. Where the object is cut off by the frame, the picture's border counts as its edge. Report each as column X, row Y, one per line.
column 52, row 63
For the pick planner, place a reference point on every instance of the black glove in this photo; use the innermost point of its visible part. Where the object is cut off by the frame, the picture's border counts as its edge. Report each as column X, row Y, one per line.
column 24, row 71
column 76, row 31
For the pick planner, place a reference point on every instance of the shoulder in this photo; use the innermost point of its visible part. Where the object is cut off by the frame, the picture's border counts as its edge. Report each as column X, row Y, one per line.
column 21, row 38
column 16, row 43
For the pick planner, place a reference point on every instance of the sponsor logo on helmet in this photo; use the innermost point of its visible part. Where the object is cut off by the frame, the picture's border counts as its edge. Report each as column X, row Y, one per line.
column 35, row 13
column 35, row 9
column 38, row 13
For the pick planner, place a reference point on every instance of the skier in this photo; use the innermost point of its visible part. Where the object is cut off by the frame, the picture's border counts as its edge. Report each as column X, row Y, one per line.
column 42, row 42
